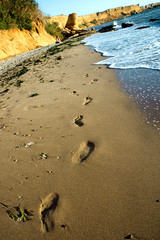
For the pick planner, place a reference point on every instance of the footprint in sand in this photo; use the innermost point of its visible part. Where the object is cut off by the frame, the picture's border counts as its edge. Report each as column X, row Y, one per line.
column 86, row 75
column 93, row 81
column 131, row 236
column 84, row 151
column 74, row 93
column 78, row 121
column 98, row 68
column 28, row 108
column 87, row 100
column 46, row 211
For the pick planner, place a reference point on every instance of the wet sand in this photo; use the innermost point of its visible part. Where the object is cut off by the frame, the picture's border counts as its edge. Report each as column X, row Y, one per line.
column 143, row 86
column 85, row 171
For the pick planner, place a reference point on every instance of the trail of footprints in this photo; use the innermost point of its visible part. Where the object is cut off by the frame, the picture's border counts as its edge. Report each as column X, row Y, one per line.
column 49, row 204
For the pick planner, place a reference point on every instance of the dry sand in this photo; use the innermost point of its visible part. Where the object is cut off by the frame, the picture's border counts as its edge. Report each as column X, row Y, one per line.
column 100, row 175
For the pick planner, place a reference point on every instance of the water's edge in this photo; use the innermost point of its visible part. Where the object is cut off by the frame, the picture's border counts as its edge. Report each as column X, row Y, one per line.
column 140, row 85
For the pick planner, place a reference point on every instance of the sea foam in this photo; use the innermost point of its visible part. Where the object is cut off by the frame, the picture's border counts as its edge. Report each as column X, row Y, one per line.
column 130, row 47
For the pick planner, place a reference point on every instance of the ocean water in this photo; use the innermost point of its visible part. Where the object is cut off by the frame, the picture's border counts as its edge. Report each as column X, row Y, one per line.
column 143, row 87
column 135, row 55
column 128, row 47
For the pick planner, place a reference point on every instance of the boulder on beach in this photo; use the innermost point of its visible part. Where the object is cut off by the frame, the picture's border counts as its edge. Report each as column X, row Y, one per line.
column 72, row 22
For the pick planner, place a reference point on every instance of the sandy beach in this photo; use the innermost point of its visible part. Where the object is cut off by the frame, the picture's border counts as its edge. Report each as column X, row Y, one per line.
column 76, row 154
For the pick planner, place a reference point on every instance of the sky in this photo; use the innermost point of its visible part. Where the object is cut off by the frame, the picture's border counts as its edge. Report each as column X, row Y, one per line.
column 84, row 7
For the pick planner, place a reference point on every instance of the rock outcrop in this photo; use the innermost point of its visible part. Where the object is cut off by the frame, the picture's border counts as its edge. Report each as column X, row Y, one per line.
column 154, row 19
column 107, row 29
column 143, row 27
column 126, row 25
column 72, row 22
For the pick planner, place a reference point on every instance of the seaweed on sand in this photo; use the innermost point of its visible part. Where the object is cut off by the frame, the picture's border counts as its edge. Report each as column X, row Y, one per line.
column 18, row 213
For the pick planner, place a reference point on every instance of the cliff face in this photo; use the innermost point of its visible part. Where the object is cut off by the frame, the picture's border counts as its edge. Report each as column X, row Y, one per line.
column 15, row 41
column 108, row 15
column 100, row 17
column 61, row 19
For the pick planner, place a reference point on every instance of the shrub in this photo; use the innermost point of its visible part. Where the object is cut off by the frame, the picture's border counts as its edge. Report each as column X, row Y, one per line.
column 84, row 25
column 54, row 30
column 4, row 25
column 18, row 13
column 124, row 14
column 94, row 21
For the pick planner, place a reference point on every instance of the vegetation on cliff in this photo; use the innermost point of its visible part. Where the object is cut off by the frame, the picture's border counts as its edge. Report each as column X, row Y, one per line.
column 18, row 13
column 22, row 14
column 54, row 30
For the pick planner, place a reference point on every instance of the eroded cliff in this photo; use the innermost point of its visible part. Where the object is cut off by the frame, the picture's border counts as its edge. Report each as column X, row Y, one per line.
column 14, row 41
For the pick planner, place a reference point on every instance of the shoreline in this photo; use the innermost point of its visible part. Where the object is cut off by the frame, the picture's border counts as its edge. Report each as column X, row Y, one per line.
column 137, row 83
column 142, row 87
column 102, row 176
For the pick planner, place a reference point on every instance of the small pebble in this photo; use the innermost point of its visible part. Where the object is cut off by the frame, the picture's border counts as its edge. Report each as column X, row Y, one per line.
column 29, row 144
column 16, row 160
column 17, row 133
column 17, row 147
